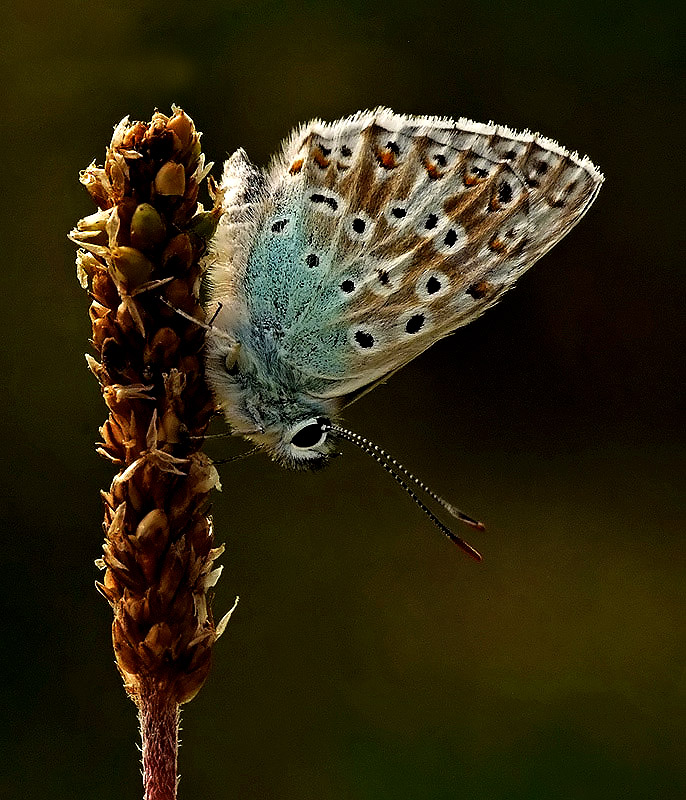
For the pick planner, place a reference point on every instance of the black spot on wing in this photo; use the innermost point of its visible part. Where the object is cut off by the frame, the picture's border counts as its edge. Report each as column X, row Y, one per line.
column 329, row 201
column 415, row 323
column 433, row 285
column 450, row 238
column 504, row 192
column 364, row 339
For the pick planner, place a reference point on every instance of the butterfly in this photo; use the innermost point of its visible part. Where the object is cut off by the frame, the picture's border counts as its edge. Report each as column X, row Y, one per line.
column 365, row 241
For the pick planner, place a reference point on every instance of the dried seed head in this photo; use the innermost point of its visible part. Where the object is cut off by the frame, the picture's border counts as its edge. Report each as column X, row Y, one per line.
column 152, row 531
column 205, row 224
column 182, row 125
column 171, row 179
column 96, row 221
column 178, row 254
column 130, row 266
column 159, row 548
column 147, row 227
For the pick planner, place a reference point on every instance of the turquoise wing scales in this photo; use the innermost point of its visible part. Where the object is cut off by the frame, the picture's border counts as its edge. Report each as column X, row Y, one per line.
column 289, row 293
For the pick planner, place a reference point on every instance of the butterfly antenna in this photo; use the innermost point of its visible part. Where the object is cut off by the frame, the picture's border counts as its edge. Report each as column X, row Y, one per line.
column 213, row 436
column 205, row 326
column 398, row 472
column 238, row 457
column 449, row 507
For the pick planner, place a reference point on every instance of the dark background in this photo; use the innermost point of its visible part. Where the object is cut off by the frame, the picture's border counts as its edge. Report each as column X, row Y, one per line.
column 368, row 659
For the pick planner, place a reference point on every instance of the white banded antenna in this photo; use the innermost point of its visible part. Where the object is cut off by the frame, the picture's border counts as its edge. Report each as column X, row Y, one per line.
column 402, row 476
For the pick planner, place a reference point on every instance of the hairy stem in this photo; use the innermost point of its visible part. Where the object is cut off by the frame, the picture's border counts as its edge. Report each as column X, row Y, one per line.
column 159, row 719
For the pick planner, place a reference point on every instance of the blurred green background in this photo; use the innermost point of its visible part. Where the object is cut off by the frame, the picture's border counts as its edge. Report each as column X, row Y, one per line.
column 368, row 658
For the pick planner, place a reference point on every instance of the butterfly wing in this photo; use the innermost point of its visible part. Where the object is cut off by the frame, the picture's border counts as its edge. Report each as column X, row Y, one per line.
column 372, row 237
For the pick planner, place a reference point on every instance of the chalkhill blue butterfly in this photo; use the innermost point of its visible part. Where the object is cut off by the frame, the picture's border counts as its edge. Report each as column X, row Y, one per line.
column 366, row 240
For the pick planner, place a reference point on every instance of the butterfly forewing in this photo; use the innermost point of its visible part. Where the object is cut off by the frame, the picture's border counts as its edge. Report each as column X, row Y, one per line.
column 374, row 236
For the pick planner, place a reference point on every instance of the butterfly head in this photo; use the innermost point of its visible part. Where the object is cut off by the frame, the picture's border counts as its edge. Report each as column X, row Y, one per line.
column 302, row 444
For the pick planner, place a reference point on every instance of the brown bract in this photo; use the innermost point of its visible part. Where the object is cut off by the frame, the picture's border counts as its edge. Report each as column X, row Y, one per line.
column 141, row 261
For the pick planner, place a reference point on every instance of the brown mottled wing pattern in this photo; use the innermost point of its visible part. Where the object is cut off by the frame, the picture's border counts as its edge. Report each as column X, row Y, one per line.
column 425, row 222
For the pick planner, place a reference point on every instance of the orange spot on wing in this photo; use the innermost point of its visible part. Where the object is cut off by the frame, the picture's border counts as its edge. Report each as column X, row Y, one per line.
column 296, row 166
column 320, row 160
column 432, row 170
column 497, row 244
column 386, row 159
column 472, row 180
column 480, row 290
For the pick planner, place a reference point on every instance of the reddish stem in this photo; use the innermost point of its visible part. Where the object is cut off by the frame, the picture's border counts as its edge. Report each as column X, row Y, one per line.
column 159, row 718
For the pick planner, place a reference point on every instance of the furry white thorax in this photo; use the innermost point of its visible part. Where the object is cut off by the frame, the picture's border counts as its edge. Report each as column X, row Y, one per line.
column 266, row 409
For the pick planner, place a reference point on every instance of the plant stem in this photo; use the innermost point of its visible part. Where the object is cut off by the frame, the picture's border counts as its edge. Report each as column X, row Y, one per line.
column 159, row 718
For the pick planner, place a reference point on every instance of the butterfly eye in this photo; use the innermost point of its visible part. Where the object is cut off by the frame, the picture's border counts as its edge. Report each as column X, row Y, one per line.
column 308, row 434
